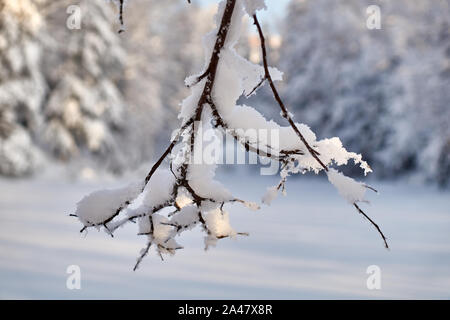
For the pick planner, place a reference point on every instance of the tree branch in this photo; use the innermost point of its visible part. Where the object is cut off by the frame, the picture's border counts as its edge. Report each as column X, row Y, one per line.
column 277, row 97
column 180, row 171
column 286, row 115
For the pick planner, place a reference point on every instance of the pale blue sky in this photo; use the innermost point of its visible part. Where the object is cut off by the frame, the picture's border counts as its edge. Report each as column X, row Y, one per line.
column 274, row 12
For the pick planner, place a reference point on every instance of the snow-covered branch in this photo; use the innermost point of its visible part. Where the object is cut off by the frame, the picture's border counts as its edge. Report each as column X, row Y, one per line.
column 176, row 199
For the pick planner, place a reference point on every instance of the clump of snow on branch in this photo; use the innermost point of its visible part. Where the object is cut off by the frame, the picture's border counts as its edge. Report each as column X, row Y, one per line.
column 218, row 222
column 347, row 187
column 251, row 6
column 188, row 189
column 270, row 195
column 159, row 188
column 101, row 205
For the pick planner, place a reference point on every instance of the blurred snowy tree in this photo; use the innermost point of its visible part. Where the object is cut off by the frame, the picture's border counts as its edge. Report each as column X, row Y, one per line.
column 384, row 86
column 85, row 111
column 420, row 138
column 339, row 72
column 88, row 93
column 161, row 39
column 22, row 86
column 59, row 88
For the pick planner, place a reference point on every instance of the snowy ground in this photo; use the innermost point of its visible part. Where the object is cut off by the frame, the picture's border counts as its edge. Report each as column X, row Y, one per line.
column 309, row 244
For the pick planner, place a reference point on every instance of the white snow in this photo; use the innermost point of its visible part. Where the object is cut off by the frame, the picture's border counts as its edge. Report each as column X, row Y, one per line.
column 310, row 245
column 218, row 223
column 270, row 195
column 183, row 200
column 347, row 187
column 100, row 205
column 252, row 205
column 251, row 6
column 159, row 188
column 186, row 217
column 201, row 175
column 161, row 231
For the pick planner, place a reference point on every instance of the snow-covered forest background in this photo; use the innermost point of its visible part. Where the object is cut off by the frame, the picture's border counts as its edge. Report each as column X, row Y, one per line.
column 87, row 108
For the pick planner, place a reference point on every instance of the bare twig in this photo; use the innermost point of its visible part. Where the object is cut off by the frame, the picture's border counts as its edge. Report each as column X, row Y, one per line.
column 168, row 150
column 143, row 254
column 122, row 24
column 374, row 224
column 257, row 86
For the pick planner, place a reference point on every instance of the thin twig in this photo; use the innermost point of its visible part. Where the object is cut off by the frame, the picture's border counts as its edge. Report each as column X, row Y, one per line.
column 147, row 248
column 168, row 150
column 122, row 24
column 373, row 223
column 257, row 86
